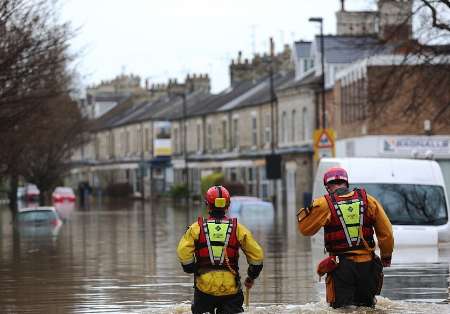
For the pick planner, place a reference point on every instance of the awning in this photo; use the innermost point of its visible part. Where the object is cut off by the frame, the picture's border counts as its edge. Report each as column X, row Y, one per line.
column 160, row 161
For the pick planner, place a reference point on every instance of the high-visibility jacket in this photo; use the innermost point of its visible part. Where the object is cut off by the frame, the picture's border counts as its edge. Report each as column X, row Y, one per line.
column 349, row 217
column 217, row 246
column 319, row 215
column 218, row 281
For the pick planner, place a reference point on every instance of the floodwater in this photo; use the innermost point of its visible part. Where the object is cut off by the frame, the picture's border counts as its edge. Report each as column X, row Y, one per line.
column 119, row 257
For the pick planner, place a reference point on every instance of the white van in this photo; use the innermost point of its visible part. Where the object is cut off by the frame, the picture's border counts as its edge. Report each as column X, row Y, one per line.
column 412, row 192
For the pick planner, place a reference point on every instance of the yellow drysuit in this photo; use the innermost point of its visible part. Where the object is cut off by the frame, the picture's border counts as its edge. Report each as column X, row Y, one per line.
column 218, row 282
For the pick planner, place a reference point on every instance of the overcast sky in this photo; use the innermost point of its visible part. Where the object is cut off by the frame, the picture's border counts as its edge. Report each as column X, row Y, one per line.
column 161, row 39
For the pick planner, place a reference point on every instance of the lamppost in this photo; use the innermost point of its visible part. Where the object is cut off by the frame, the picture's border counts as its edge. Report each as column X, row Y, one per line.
column 322, row 55
column 186, row 169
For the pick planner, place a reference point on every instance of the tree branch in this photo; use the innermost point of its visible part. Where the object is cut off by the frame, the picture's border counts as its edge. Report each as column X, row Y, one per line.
column 436, row 22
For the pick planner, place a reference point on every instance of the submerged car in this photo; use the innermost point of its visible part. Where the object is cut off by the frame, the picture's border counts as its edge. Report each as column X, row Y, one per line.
column 63, row 194
column 252, row 211
column 246, row 203
column 44, row 220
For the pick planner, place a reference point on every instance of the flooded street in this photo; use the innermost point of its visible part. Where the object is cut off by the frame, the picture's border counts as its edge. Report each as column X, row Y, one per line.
column 119, row 257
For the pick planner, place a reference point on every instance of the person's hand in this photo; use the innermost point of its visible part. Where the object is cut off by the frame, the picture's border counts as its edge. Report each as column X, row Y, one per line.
column 386, row 261
column 248, row 283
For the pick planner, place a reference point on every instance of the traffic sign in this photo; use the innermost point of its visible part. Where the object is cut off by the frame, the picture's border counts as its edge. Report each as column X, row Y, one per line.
column 324, row 143
column 324, row 140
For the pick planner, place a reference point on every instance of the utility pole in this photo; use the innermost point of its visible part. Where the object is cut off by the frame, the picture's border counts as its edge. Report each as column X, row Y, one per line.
column 185, row 156
column 186, row 169
column 272, row 96
column 322, row 57
column 274, row 161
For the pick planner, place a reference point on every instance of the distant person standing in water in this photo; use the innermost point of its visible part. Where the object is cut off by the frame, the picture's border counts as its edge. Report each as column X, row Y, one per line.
column 350, row 219
column 210, row 250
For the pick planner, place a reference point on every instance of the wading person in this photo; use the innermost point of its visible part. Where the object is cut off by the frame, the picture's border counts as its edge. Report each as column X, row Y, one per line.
column 210, row 250
column 349, row 218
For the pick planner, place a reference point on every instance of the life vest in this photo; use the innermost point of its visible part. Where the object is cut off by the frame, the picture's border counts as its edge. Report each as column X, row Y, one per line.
column 348, row 217
column 217, row 245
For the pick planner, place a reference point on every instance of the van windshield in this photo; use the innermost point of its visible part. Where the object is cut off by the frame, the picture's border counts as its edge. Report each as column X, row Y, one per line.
column 410, row 204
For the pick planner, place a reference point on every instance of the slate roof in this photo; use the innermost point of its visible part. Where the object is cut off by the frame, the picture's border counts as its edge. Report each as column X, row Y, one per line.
column 247, row 93
column 260, row 93
column 174, row 109
column 302, row 49
column 306, row 80
column 348, row 49
column 105, row 120
column 219, row 100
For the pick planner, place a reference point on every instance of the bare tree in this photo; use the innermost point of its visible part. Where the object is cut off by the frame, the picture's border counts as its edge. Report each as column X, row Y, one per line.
column 33, row 54
column 40, row 125
column 418, row 80
column 436, row 6
column 54, row 136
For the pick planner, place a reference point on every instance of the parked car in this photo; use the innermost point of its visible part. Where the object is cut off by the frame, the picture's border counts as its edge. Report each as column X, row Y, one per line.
column 31, row 193
column 42, row 220
column 63, row 194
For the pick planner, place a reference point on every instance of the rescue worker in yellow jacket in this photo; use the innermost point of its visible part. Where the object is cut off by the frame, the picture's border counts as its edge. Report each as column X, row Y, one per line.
column 349, row 219
column 210, row 250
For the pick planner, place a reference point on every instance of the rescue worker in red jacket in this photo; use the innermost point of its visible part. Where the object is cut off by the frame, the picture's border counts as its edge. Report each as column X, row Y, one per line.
column 349, row 219
column 210, row 250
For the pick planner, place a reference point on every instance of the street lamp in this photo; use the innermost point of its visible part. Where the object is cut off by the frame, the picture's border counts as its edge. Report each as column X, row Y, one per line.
column 184, row 117
column 322, row 53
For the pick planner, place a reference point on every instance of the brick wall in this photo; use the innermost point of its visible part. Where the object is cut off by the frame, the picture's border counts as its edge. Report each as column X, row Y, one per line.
column 399, row 99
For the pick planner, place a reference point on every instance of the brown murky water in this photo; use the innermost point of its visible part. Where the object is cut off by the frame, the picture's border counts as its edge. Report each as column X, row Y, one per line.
column 120, row 258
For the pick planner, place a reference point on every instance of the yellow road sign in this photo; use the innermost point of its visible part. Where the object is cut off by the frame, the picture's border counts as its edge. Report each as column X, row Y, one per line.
column 324, row 143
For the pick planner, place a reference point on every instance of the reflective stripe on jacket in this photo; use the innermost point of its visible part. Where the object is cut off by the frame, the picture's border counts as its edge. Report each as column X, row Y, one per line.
column 217, row 245
column 318, row 215
column 218, row 282
column 349, row 215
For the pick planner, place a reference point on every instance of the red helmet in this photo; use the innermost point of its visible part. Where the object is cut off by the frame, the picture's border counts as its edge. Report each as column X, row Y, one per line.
column 335, row 173
column 217, row 198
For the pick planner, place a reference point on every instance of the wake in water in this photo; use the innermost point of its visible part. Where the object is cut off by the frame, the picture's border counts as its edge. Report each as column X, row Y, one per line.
column 384, row 305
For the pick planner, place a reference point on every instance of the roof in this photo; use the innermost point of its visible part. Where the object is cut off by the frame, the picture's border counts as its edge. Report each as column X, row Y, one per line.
column 263, row 94
column 306, row 80
column 259, row 93
column 226, row 96
column 302, row 49
column 119, row 111
column 110, row 98
column 347, row 49
column 174, row 109
column 198, row 103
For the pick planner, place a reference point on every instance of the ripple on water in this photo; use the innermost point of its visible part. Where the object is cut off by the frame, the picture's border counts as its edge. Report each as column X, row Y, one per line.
column 384, row 306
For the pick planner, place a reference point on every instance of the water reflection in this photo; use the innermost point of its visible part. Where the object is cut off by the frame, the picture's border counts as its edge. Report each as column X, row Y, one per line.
column 65, row 209
column 120, row 257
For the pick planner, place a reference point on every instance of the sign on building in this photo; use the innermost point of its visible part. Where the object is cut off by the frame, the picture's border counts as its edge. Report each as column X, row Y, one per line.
column 415, row 144
column 324, row 143
column 162, row 142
